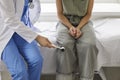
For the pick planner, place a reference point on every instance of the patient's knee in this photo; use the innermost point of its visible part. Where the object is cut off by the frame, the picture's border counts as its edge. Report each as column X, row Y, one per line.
column 86, row 44
column 68, row 43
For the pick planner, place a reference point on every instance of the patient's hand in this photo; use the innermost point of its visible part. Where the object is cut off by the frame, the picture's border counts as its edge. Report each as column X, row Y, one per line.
column 75, row 32
column 78, row 33
column 72, row 31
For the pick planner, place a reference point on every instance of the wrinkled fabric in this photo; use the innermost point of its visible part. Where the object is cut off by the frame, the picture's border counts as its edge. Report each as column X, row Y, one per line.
column 23, row 59
column 79, row 55
column 10, row 22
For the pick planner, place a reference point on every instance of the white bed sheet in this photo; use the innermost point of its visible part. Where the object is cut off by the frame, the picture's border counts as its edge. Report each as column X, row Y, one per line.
column 107, row 31
column 48, row 29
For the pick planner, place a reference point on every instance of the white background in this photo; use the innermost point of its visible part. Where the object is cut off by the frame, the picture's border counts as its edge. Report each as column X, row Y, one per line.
column 106, row 1
column 48, row 9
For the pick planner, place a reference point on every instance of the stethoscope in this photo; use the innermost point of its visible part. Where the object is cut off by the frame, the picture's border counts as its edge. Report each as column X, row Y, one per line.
column 31, row 5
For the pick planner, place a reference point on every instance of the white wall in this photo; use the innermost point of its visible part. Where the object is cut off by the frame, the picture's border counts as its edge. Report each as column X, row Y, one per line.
column 101, row 1
column 47, row 0
column 107, row 1
column 48, row 9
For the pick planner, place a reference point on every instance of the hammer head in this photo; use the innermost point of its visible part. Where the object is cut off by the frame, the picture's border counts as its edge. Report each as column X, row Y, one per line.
column 62, row 48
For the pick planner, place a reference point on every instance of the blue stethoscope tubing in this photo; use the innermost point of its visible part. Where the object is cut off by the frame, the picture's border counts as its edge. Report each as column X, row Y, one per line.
column 31, row 5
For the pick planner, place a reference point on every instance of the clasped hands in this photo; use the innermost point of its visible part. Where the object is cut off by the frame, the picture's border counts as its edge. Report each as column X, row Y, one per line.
column 75, row 32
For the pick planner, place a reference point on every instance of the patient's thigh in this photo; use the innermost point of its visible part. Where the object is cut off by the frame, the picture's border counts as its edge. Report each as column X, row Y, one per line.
column 88, row 35
column 63, row 35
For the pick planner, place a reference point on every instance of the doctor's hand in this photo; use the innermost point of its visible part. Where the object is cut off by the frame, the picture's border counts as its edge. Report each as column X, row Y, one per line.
column 43, row 41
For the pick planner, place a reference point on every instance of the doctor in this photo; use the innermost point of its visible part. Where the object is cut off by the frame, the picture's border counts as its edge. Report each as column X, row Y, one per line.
column 18, row 42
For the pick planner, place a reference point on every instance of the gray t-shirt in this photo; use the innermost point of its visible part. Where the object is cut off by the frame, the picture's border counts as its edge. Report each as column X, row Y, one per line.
column 75, row 9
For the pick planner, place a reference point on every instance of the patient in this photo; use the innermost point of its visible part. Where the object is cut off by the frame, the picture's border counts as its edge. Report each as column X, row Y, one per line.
column 76, row 34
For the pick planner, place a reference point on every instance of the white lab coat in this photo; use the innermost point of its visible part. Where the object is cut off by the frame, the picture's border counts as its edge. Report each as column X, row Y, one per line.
column 10, row 16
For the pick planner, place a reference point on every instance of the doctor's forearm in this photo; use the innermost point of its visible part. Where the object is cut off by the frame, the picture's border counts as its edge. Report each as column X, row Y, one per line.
column 43, row 41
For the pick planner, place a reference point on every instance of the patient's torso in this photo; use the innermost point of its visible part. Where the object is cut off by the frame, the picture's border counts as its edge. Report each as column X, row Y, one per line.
column 74, row 10
column 75, row 7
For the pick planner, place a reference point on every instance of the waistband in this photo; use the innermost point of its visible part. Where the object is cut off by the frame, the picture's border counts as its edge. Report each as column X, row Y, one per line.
column 74, row 19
